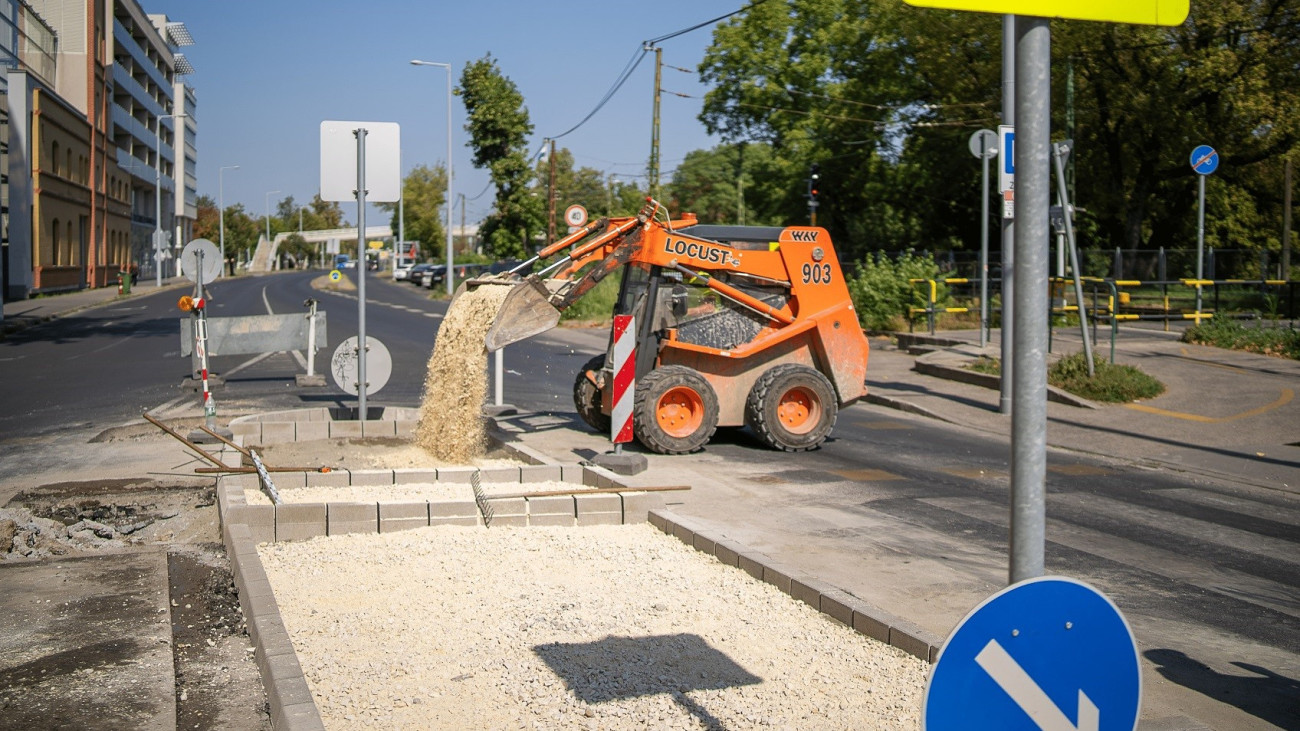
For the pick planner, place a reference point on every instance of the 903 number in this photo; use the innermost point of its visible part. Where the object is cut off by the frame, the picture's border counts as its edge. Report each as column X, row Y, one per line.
column 816, row 273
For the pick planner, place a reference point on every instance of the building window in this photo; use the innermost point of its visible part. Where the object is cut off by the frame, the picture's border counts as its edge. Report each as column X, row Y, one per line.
column 54, row 157
column 55, row 249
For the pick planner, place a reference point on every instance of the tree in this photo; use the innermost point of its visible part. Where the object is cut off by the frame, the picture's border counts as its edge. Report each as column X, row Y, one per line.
column 499, row 127
column 424, row 192
column 585, row 187
column 207, row 224
column 728, row 184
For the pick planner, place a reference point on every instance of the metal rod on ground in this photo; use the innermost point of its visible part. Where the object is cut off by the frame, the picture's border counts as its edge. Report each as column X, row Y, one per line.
column 1059, row 152
column 227, row 442
column 1033, row 198
column 361, row 273
column 183, row 440
column 246, row 470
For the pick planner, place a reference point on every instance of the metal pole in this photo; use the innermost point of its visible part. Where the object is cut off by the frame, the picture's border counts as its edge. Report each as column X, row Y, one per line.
column 1286, row 224
column 984, row 242
column 311, row 337
column 1062, row 192
column 654, row 128
column 1029, row 400
column 450, row 243
column 401, row 229
column 498, row 382
column 1008, row 224
column 550, row 196
column 361, row 274
column 1200, row 241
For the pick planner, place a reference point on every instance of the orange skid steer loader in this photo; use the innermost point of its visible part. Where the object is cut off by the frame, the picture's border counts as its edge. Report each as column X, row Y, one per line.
column 736, row 326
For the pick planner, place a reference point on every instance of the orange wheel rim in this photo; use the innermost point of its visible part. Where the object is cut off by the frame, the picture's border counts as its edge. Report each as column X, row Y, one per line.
column 680, row 412
column 798, row 410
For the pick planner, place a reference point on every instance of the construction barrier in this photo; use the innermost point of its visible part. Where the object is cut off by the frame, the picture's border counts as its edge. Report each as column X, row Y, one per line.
column 624, row 379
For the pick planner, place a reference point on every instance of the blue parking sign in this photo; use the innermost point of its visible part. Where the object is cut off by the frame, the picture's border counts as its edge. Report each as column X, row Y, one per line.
column 1048, row 653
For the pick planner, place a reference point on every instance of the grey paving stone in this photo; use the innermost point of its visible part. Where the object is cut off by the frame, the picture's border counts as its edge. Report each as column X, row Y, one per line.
column 299, row 521
column 343, row 518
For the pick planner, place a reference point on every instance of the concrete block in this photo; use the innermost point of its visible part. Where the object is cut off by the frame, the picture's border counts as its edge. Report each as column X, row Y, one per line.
column 501, row 521
column 751, row 562
column 564, row 521
column 778, row 576
column 342, row 518
column 591, row 477
column 809, row 590
column 405, row 428
column 683, row 533
column 868, row 621
column 541, row 473
column 626, row 463
column 313, row 431
column 912, row 639
column 499, row 474
column 231, row 457
column 260, row 520
column 838, row 606
column 333, row 478
column 249, row 431
column 637, row 505
column 658, row 520
column 600, row 519
column 378, row 428
column 552, row 505
column 299, row 521
column 269, row 634
column 345, row 429
column 286, row 480
column 573, row 473
column 372, row 477
column 728, row 552
column 703, row 543
column 402, row 516
column 299, row 717
column 606, row 503
column 278, row 432
column 458, row 475
column 412, row 476
column 508, row 507
column 452, row 509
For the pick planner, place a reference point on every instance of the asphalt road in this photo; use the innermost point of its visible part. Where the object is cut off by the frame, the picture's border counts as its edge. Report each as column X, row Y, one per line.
column 1205, row 569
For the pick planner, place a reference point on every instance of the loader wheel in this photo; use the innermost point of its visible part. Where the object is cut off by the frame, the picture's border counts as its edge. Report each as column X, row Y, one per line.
column 792, row 408
column 675, row 412
column 586, row 397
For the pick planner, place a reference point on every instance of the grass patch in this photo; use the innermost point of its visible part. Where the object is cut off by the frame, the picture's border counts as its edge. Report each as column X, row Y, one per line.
column 1111, row 384
column 1232, row 334
column 598, row 304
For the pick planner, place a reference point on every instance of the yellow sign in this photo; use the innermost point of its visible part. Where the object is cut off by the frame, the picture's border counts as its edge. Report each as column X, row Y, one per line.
column 375, row 244
column 335, row 275
column 1145, row 12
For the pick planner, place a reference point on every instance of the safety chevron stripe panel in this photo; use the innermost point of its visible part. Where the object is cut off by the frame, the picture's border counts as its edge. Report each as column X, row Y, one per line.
column 624, row 378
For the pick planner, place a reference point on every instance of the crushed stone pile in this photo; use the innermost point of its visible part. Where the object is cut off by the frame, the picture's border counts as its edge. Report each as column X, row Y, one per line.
column 451, row 425
column 24, row 535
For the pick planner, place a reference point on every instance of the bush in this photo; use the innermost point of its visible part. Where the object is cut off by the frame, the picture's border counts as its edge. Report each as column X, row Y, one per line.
column 598, row 304
column 1111, row 383
column 1276, row 341
column 881, row 293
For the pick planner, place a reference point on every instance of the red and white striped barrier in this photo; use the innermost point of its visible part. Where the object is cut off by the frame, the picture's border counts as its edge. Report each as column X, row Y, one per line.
column 624, row 378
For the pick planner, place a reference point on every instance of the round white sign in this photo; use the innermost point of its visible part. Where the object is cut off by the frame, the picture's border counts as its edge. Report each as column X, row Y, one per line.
column 343, row 366
column 201, row 250
column 575, row 215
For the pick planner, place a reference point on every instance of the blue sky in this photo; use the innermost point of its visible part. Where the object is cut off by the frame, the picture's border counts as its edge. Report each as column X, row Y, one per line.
column 269, row 72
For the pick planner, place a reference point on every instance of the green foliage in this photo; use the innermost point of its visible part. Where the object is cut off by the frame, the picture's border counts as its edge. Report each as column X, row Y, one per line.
column 584, row 186
column 882, row 294
column 598, row 304
column 1277, row 341
column 730, row 184
column 424, row 195
column 884, row 96
column 1112, row 383
column 499, row 127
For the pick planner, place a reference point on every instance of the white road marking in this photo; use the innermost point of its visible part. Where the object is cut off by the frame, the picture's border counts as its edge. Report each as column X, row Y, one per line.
column 1013, row 679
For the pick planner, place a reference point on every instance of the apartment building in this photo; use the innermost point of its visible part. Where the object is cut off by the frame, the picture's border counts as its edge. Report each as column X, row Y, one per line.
column 93, row 143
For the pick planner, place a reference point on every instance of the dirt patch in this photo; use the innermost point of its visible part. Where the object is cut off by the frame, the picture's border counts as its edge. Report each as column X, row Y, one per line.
column 217, row 683
column 451, row 425
column 373, row 453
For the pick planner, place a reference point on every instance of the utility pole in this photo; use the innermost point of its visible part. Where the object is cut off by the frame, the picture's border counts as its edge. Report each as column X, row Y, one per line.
column 654, row 126
column 550, row 195
column 814, row 190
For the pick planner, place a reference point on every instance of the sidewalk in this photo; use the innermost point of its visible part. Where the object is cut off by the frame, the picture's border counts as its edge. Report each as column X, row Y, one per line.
column 22, row 314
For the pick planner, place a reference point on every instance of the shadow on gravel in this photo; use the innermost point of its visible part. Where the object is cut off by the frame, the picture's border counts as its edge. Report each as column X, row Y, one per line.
column 616, row 668
column 1265, row 694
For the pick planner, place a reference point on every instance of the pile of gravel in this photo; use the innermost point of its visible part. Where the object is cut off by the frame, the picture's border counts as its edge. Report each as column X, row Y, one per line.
column 605, row 627
column 410, row 492
column 24, row 535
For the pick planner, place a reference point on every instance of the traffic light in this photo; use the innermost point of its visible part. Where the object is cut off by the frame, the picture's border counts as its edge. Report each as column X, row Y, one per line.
column 814, row 181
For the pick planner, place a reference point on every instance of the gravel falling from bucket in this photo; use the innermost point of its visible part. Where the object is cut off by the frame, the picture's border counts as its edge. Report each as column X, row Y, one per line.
column 451, row 425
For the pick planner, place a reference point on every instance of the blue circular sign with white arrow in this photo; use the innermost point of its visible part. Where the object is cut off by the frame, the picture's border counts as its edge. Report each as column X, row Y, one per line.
column 1205, row 160
column 1049, row 654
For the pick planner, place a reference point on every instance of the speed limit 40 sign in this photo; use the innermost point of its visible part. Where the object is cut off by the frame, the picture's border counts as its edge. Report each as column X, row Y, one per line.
column 575, row 215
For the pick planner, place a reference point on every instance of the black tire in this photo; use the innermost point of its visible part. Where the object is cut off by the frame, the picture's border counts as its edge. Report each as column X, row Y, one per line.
column 675, row 410
column 586, row 397
column 792, row 408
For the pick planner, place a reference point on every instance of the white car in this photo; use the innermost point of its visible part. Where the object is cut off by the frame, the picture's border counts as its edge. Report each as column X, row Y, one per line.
column 402, row 273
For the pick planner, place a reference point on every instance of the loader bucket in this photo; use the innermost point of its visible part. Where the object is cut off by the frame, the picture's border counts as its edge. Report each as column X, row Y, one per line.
column 526, row 311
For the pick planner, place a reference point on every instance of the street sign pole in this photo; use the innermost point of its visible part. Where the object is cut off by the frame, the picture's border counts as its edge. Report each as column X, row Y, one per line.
column 1008, row 223
column 983, row 145
column 361, row 273
column 1029, row 367
column 1200, row 242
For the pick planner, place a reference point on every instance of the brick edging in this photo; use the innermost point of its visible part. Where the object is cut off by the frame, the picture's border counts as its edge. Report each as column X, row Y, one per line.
column 836, row 603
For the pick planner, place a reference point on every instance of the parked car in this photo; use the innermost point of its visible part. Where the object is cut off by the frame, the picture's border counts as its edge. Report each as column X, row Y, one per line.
column 416, row 271
column 402, row 273
column 437, row 277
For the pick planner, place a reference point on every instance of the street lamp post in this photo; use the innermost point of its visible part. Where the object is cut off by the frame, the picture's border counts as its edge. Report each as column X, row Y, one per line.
column 269, row 193
column 157, row 187
column 447, row 66
column 221, row 204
